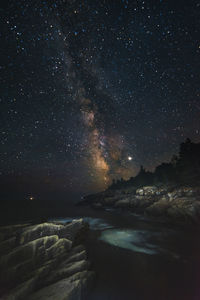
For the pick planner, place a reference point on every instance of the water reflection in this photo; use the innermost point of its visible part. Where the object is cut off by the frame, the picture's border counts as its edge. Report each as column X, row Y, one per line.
column 135, row 240
column 143, row 241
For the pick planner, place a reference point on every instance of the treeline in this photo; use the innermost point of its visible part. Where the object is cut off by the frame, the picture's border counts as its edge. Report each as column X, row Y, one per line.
column 183, row 168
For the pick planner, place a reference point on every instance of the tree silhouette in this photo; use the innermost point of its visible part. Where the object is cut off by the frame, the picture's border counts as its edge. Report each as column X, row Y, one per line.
column 183, row 168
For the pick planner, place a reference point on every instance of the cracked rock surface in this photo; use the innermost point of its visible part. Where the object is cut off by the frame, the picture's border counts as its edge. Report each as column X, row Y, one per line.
column 44, row 261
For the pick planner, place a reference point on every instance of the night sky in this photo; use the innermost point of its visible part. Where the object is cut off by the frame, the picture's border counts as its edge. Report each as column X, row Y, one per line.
column 91, row 90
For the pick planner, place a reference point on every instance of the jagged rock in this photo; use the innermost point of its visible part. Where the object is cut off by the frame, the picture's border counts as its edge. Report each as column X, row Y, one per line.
column 175, row 202
column 147, row 190
column 175, row 194
column 21, row 291
column 28, row 251
column 140, row 203
column 66, row 270
column 162, row 190
column 18, row 264
column 59, row 248
column 62, row 290
column 158, row 208
column 134, row 202
column 35, row 256
column 47, row 229
column 7, row 232
column 184, row 209
column 184, row 192
column 140, row 192
column 7, row 245
column 71, row 230
column 38, row 231
column 76, row 249
column 77, row 257
column 72, row 288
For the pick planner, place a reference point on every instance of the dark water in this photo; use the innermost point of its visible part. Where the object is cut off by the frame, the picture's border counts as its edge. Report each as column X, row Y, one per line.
column 140, row 259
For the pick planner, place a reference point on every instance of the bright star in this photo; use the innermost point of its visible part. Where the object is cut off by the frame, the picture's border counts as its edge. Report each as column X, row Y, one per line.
column 130, row 158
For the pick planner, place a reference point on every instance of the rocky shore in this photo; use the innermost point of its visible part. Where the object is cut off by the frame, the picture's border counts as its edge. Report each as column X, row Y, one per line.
column 44, row 261
column 171, row 203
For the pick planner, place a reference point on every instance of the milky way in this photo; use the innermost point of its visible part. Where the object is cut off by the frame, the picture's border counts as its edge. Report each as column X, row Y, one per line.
column 105, row 151
column 88, row 84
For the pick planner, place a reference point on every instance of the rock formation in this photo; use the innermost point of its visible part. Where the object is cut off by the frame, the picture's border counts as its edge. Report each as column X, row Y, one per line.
column 44, row 261
column 178, row 204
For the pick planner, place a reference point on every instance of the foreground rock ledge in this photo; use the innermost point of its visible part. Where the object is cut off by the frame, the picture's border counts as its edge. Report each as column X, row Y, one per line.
column 44, row 261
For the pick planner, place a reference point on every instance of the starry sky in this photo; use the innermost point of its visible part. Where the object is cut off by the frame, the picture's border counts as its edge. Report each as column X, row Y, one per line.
column 91, row 90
